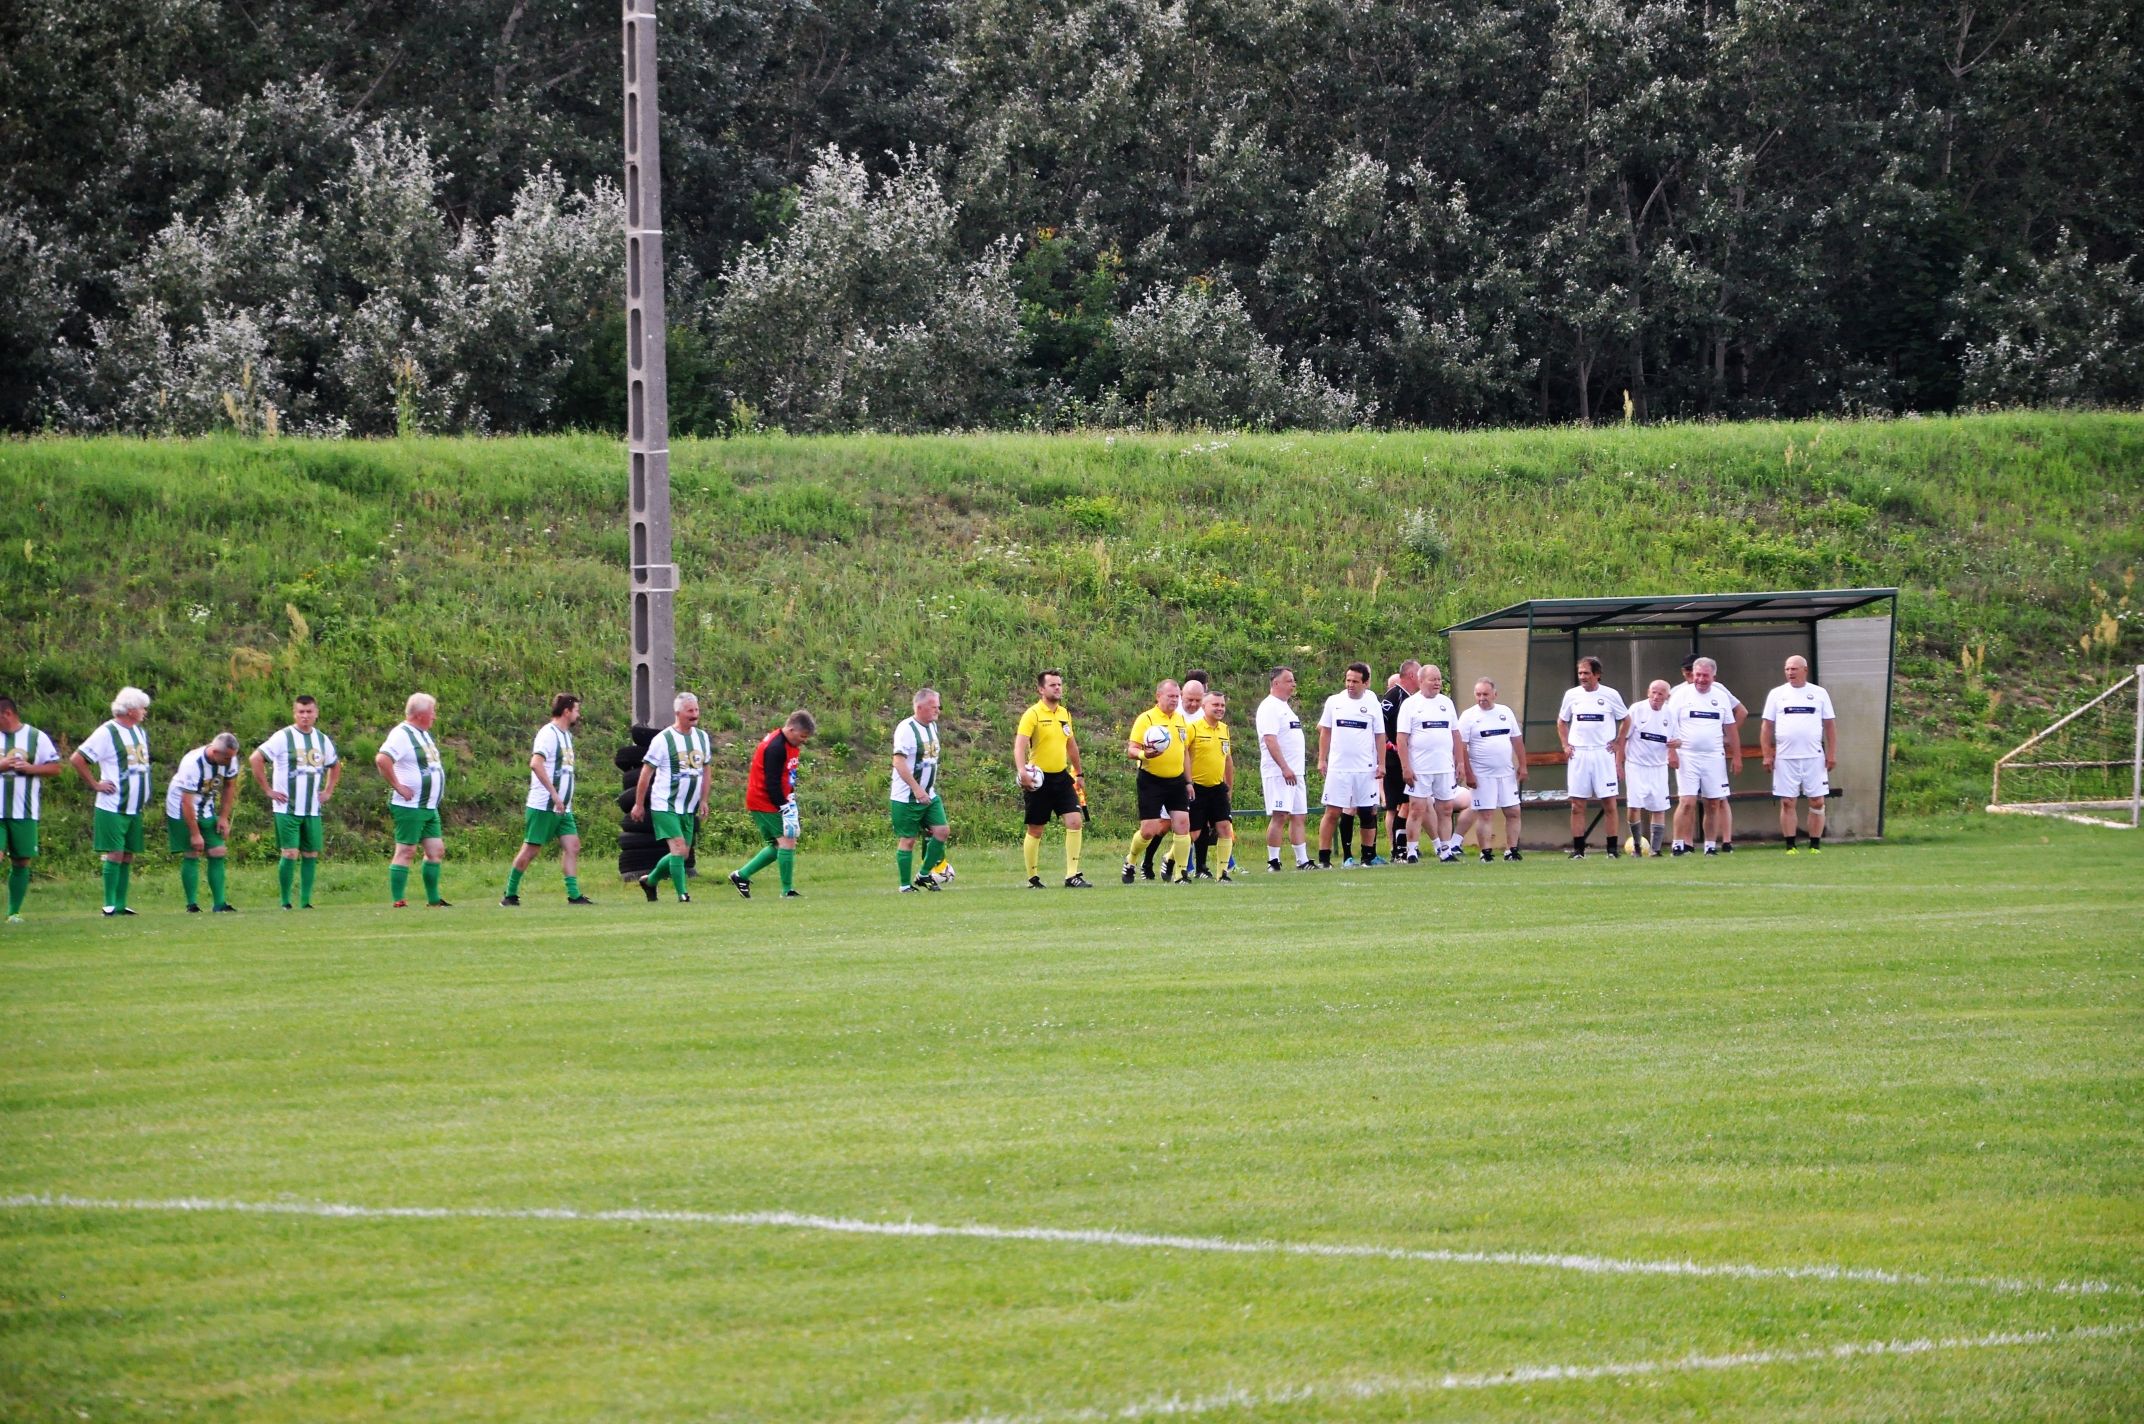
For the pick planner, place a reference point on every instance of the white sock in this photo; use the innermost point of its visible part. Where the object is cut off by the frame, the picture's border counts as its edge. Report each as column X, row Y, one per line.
column 1302, row 853
column 1712, row 845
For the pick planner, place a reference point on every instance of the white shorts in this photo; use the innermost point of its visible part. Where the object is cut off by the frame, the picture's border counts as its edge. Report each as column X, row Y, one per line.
column 1281, row 798
column 1590, row 774
column 1647, row 786
column 1431, row 786
column 1800, row 776
column 1353, row 790
column 1703, row 775
column 1494, row 790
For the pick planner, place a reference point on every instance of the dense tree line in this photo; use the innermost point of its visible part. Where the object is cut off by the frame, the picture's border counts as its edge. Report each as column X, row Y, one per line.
column 395, row 214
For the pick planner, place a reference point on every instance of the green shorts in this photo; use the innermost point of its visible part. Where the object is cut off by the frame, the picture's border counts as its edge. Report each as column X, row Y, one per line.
column 297, row 833
column 673, row 825
column 113, row 831
column 769, row 824
column 546, row 826
column 913, row 819
column 18, row 838
column 181, row 843
column 415, row 825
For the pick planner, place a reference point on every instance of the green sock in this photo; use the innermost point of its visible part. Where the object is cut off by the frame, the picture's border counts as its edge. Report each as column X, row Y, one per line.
column 573, row 887
column 190, row 877
column 18, row 887
column 678, row 877
column 126, row 881
column 933, row 853
column 513, row 882
column 111, row 885
column 286, row 870
column 657, row 871
column 904, row 865
column 787, row 860
column 217, row 871
column 431, row 881
column 398, row 882
column 307, row 869
column 757, row 863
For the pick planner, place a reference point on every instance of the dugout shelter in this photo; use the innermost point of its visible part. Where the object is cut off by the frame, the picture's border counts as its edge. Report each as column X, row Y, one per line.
column 1531, row 650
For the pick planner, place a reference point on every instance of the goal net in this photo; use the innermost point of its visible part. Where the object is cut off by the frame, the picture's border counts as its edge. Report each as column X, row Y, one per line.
column 2087, row 767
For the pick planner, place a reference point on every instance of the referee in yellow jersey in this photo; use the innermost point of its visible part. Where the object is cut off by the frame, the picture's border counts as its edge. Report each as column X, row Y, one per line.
column 1213, row 779
column 1045, row 755
column 1160, row 741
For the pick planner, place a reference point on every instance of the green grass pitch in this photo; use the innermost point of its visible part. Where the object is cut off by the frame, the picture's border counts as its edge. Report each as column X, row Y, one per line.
column 1918, row 1063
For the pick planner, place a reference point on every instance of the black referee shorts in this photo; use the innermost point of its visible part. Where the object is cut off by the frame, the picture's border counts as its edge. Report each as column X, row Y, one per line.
column 1211, row 807
column 1395, row 782
column 1056, row 796
column 1160, row 795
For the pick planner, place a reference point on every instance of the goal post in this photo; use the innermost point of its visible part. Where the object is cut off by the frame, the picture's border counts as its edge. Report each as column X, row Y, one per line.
column 2087, row 767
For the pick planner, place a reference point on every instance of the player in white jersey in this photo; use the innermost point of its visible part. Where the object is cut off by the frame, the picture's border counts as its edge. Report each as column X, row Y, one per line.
column 298, row 769
column 671, row 795
column 119, row 751
column 416, row 782
column 1492, row 762
column 913, row 802
column 1706, row 753
column 1645, row 767
column 1351, row 756
column 547, row 812
column 197, row 818
column 1281, row 769
column 1800, row 739
column 27, row 758
column 1591, row 724
column 1427, row 742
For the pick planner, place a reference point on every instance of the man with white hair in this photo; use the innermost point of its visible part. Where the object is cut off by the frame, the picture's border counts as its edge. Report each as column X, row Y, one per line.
column 671, row 794
column 1427, row 743
column 918, row 812
column 1706, row 752
column 1398, row 688
column 1800, row 740
column 1280, row 770
column 120, row 751
column 1591, row 724
column 1645, row 767
column 27, row 758
column 1492, row 762
column 416, row 781
column 197, row 818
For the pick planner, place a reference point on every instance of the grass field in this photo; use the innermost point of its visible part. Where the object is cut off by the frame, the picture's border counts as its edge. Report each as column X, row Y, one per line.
column 1917, row 1063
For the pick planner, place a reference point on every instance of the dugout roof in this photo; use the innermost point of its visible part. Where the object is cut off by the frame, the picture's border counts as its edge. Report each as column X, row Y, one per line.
column 1688, row 610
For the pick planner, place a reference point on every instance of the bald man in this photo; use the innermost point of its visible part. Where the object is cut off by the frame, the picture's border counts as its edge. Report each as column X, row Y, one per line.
column 1800, row 740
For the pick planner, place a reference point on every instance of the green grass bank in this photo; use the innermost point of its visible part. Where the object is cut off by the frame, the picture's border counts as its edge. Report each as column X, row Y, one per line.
column 226, row 575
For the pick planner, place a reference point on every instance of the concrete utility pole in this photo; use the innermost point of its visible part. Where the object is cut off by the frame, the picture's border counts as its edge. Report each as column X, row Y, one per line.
column 654, row 576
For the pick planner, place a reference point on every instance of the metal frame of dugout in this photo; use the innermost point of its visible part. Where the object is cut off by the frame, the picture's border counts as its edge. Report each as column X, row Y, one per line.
column 1531, row 651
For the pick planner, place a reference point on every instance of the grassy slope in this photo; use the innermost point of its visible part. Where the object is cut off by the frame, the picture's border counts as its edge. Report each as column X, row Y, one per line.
column 840, row 573
column 1889, row 1058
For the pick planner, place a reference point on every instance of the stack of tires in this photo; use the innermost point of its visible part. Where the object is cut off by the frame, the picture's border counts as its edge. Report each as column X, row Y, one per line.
column 638, row 845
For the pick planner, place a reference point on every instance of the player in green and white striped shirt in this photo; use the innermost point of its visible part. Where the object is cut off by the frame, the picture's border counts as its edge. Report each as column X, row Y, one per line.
column 672, row 793
column 913, row 801
column 416, row 780
column 27, row 757
column 550, row 803
column 120, row 750
column 298, row 770
column 197, row 818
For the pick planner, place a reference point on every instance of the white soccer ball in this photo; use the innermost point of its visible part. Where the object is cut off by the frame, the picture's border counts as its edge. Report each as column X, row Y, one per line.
column 1031, row 776
column 1157, row 740
column 944, row 874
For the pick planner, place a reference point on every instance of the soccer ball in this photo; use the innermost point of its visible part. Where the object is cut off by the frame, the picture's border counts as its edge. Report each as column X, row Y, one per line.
column 1031, row 776
column 1157, row 740
column 944, row 874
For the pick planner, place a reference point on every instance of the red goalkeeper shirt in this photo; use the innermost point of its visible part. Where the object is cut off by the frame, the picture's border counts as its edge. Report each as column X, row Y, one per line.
column 774, row 773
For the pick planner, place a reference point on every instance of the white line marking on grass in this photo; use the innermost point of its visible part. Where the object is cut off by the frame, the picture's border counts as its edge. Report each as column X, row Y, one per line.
column 1076, row 1236
column 1174, row 1406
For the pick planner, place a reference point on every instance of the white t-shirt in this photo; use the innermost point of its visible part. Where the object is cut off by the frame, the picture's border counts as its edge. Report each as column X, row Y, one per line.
column 122, row 758
column 556, row 749
column 1355, row 723
column 1798, row 715
column 919, row 743
column 1492, row 738
column 417, row 766
column 197, row 775
column 298, row 765
column 1702, row 718
column 680, row 760
column 1592, row 715
column 1276, row 719
column 22, row 797
column 1651, row 730
column 1427, row 724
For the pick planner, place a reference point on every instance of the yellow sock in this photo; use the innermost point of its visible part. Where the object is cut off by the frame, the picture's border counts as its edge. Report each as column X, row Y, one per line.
column 1072, row 840
column 1031, row 852
column 1180, row 852
column 1139, row 845
column 1225, row 842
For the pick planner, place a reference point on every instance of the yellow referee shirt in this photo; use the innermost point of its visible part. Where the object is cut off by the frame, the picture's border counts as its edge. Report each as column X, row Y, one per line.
column 1048, row 733
column 1209, row 751
column 1170, row 764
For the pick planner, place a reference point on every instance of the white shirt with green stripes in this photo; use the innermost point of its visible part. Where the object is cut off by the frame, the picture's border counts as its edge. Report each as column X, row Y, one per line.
column 122, row 758
column 298, row 765
column 555, row 745
column 22, row 797
column 417, row 766
column 680, row 760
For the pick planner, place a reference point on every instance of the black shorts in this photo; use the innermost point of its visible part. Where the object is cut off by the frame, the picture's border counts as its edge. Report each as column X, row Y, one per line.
column 1395, row 783
column 1211, row 807
column 1160, row 795
column 1056, row 796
